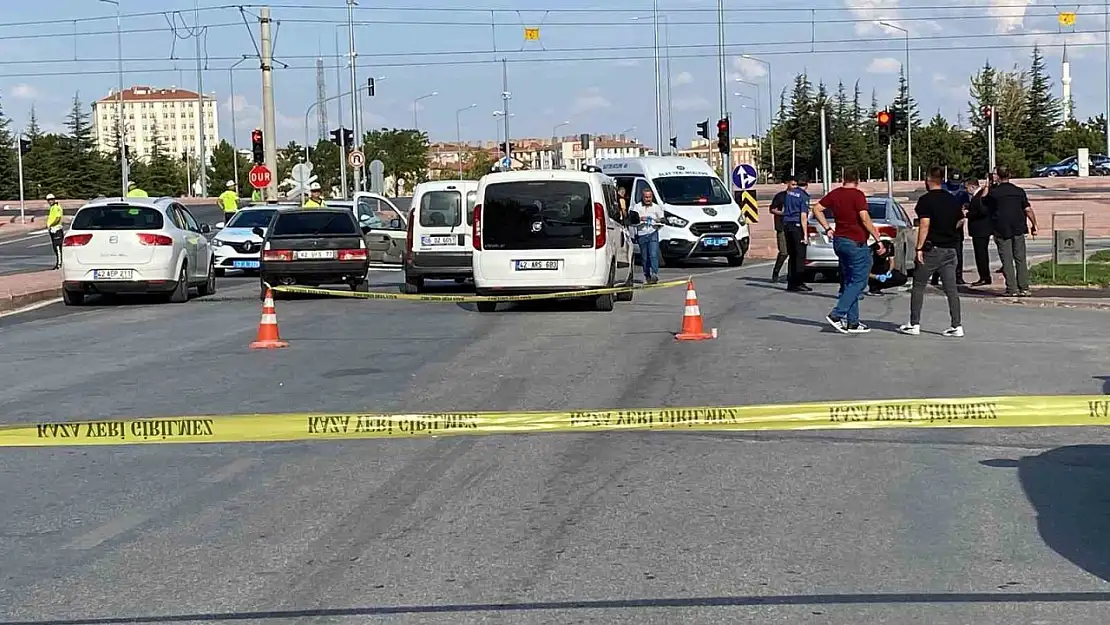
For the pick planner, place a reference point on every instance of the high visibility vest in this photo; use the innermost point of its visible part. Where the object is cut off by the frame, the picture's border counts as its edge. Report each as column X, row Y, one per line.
column 54, row 218
column 256, row 195
column 137, row 192
column 311, row 203
column 229, row 201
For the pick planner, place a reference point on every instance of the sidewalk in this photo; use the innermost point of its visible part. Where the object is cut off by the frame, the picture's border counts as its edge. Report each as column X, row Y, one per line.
column 23, row 289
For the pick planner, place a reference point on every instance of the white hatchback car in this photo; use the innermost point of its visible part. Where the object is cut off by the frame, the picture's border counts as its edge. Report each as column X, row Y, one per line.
column 237, row 246
column 136, row 246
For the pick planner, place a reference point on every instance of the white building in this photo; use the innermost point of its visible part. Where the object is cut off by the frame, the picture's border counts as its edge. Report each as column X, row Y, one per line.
column 171, row 115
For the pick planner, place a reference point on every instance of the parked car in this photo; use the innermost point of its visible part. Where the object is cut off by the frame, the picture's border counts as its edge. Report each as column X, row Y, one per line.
column 1099, row 164
column 893, row 224
column 388, row 225
column 314, row 246
column 236, row 246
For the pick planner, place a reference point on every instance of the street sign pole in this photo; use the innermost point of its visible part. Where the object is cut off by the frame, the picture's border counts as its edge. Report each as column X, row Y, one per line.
column 889, row 172
column 22, row 206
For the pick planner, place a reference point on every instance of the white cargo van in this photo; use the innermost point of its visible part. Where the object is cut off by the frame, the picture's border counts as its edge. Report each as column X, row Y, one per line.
column 438, row 245
column 702, row 219
column 548, row 231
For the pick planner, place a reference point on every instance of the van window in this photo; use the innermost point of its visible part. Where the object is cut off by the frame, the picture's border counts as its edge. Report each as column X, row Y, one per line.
column 544, row 214
column 441, row 209
column 376, row 214
column 691, row 190
column 471, row 200
column 638, row 194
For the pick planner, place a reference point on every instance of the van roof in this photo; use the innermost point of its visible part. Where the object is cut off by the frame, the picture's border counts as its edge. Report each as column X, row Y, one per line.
column 439, row 185
column 652, row 166
column 543, row 174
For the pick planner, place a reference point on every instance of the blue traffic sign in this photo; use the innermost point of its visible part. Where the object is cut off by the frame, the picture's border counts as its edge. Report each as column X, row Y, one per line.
column 744, row 176
column 506, row 162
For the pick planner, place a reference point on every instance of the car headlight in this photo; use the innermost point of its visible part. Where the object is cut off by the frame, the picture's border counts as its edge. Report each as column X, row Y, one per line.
column 217, row 243
column 674, row 220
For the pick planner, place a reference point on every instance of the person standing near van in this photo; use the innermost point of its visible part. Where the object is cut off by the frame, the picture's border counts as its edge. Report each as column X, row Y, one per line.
column 795, row 218
column 647, row 234
column 777, row 204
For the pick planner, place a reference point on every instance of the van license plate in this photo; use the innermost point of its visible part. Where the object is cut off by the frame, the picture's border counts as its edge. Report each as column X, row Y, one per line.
column 534, row 265
column 716, row 241
column 438, row 240
column 112, row 274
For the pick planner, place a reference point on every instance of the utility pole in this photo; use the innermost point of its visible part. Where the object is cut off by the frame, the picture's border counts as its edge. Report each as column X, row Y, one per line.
column 506, row 95
column 22, row 207
column 721, row 68
column 203, row 159
column 354, row 92
column 269, row 125
column 339, row 110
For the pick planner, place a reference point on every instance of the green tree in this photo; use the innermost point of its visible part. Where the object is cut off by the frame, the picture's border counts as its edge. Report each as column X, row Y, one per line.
column 225, row 160
column 1010, row 110
column 287, row 157
column 86, row 172
column 1042, row 109
column 940, row 144
column 163, row 173
column 1008, row 154
column 9, row 166
column 906, row 117
column 477, row 163
column 326, row 166
column 403, row 152
column 983, row 93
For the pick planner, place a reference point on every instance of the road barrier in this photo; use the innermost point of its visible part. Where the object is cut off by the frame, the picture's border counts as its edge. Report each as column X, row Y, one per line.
column 982, row 412
column 463, row 299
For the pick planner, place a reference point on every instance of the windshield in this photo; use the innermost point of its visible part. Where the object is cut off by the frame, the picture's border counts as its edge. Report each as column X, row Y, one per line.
column 547, row 214
column 441, row 209
column 315, row 223
column 251, row 219
column 379, row 215
column 118, row 217
column 691, row 190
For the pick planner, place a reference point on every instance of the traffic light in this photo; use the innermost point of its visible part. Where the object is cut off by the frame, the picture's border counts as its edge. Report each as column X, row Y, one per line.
column 24, row 145
column 584, row 141
column 506, row 146
column 674, row 142
column 257, row 147
column 723, row 143
column 349, row 138
column 370, row 87
column 884, row 121
column 703, row 129
column 346, row 139
column 986, row 111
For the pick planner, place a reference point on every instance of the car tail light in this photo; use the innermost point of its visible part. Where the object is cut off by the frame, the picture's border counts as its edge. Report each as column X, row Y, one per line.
column 476, row 230
column 887, row 231
column 352, row 254
column 408, row 232
column 146, row 238
column 599, row 226
column 277, row 255
column 76, row 240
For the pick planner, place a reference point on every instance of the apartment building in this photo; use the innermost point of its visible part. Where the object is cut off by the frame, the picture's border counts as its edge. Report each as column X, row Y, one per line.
column 170, row 115
column 744, row 150
column 533, row 153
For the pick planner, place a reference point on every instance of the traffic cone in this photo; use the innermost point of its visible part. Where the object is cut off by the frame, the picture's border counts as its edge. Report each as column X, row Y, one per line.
column 692, row 329
column 268, row 337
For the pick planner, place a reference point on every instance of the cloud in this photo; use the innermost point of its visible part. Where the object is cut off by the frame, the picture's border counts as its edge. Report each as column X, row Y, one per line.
column 23, row 91
column 1009, row 15
column 684, row 78
column 627, row 62
column 748, row 69
column 869, row 12
column 590, row 100
column 691, row 103
column 884, row 65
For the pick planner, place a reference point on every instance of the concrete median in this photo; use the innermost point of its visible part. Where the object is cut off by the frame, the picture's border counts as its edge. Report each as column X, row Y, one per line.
column 24, row 289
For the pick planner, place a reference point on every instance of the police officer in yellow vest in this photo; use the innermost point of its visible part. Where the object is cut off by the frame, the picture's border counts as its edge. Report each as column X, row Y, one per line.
column 135, row 191
column 229, row 201
column 315, row 197
column 256, row 196
column 54, row 227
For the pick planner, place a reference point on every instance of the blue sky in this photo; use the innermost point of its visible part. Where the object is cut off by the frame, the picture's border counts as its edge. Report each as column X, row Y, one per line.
column 591, row 67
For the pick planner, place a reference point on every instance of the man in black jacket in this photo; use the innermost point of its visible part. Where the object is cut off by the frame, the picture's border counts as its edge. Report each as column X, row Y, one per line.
column 979, row 228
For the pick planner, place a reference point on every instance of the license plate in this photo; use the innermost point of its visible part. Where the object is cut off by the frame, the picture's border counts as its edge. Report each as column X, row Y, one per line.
column 112, row 274
column 534, row 265
column 438, row 240
column 245, row 264
column 716, row 241
column 315, row 254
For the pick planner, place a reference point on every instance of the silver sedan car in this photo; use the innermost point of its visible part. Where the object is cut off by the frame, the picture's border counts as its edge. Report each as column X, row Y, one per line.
column 893, row 224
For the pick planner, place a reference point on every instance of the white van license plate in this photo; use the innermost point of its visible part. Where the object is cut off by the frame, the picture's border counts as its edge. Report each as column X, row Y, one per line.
column 438, row 240
column 537, row 265
column 716, row 241
column 112, row 274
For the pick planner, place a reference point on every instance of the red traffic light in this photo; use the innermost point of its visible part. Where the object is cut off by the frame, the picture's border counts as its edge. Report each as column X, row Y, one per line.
column 722, row 125
column 256, row 135
column 883, row 117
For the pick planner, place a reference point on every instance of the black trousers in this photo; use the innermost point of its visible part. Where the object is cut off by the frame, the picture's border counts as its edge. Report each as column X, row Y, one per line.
column 959, row 265
column 56, row 243
column 796, row 255
column 897, row 279
column 982, row 247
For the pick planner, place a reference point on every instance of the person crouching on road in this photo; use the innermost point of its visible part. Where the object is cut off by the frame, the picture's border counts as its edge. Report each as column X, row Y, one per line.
column 795, row 218
column 647, row 234
column 883, row 273
column 938, row 233
column 315, row 197
column 54, row 227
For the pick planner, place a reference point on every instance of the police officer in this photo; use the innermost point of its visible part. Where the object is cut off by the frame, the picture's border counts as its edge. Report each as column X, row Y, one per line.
column 315, row 197
column 795, row 219
column 229, row 201
column 54, row 227
column 135, row 191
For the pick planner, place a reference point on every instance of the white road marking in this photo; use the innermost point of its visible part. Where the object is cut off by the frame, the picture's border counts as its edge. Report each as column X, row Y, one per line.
column 108, row 531
column 35, row 306
column 228, row 471
column 42, row 244
column 389, row 269
column 34, row 235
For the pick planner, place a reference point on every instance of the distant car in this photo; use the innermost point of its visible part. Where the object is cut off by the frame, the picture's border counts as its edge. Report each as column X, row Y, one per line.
column 236, row 246
column 136, row 246
column 314, row 246
column 893, row 224
column 1098, row 165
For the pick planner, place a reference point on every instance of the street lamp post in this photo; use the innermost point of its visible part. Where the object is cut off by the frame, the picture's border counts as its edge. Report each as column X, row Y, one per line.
column 119, row 110
column 415, row 125
column 309, row 112
column 656, row 19
column 906, row 113
column 755, row 101
column 758, row 110
column 770, row 106
column 555, row 141
column 458, row 135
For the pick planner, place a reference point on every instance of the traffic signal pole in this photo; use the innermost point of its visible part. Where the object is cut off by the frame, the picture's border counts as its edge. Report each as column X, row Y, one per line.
column 269, row 121
column 889, row 172
column 22, row 207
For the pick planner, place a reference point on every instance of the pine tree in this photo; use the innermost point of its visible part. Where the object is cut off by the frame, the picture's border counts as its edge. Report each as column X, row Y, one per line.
column 906, row 116
column 1042, row 112
column 984, row 93
column 800, row 127
column 9, row 167
column 85, row 172
column 33, row 131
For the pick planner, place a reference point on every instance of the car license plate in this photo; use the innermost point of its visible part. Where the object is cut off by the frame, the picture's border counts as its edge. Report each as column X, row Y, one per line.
column 314, row 254
column 438, row 240
column 245, row 264
column 112, row 274
column 537, row 265
column 716, row 241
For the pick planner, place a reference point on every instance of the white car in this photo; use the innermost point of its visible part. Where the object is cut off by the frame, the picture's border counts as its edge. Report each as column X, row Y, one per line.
column 136, row 246
column 438, row 245
column 236, row 246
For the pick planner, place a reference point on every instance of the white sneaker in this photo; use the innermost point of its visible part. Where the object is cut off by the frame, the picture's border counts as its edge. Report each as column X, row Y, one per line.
column 957, row 331
column 911, row 329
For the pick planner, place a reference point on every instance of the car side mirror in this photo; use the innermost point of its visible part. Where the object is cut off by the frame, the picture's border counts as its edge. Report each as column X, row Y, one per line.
column 633, row 218
column 366, row 229
column 220, row 225
column 205, row 229
column 395, row 223
column 258, row 231
column 916, row 222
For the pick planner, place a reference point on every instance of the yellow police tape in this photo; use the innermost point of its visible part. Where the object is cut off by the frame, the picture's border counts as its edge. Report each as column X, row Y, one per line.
column 990, row 412
column 471, row 298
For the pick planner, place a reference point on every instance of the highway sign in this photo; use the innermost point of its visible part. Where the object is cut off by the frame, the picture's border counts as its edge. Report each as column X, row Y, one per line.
column 744, row 176
column 749, row 207
column 356, row 159
column 506, row 163
column 260, row 177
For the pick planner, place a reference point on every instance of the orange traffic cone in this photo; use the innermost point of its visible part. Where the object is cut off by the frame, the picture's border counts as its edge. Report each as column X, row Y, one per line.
column 692, row 329
column 268, row 337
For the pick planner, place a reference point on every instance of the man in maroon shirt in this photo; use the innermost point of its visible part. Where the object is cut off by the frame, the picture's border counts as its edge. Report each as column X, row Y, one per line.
column 847, row 206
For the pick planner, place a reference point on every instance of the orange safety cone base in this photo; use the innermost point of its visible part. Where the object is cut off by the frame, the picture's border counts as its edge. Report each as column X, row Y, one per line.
column 693, row 337
column 692, row 328
column 268, row 344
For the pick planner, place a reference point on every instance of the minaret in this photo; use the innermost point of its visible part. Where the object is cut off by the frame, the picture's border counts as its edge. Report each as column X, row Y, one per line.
column 1065, row 80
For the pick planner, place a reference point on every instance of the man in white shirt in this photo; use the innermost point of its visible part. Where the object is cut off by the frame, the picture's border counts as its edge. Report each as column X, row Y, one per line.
column 647, row 234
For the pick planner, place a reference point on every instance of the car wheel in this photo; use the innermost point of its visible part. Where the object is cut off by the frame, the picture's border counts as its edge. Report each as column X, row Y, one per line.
column 487, row 307
column 809, row 275
column 1052, row 174
column 360, row 286
column 626, row 296
column 73, row 298
column 604, row 303
column 209, row 286
column 219, row 272
column 413, row 285
column 180, row 293
column 736, row 261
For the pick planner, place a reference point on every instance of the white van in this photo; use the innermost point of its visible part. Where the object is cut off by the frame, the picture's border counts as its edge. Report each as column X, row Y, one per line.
column 702, row 219
column 547, row 231
column 438, row 245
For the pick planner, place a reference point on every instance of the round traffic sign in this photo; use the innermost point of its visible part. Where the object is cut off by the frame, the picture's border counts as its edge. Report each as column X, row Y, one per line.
column 356, row 159
column 260, row 177
column 744, row 176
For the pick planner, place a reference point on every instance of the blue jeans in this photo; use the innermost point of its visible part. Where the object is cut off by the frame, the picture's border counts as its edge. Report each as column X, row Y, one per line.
column 649, row 253
column 855, row 267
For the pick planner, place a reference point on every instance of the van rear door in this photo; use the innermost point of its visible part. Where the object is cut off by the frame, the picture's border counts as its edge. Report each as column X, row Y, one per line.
column 444, row 221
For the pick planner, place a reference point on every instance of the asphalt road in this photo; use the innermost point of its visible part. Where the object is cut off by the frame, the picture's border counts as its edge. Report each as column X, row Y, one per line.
column 942, row 526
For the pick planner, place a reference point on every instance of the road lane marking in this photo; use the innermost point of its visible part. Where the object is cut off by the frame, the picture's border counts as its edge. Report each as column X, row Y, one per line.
column 42, row 244
column 21, row 239
column 108, row 531
column 35, row 306
column 228, row 471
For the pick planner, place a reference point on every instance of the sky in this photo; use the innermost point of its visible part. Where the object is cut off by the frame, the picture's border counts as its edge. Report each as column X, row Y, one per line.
column 591, row 67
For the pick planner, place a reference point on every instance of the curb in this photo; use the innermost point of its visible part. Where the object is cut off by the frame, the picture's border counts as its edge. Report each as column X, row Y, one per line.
column 1103, row 304
column 15, row 302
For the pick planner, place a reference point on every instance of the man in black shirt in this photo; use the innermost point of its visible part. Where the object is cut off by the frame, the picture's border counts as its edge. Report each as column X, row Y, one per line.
column 1009, row 209
column 979, row 228
column 938, row 235
column 883, row 274
column 777, row 204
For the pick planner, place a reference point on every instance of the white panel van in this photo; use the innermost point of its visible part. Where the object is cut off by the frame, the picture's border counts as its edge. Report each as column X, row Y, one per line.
column 438, row 245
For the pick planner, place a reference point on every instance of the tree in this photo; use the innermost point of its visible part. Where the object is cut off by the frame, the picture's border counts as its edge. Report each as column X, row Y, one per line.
column 403, row 152
column 984, row 93
column 9, row 166
column 477, row 163
column 1010, row 110
column 86, row 171
column 1042, row 112
column 225, row 160
column 907, row 117
column 163, row 174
